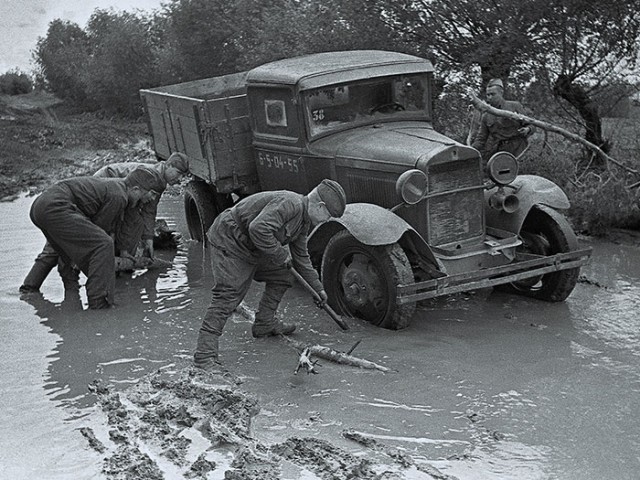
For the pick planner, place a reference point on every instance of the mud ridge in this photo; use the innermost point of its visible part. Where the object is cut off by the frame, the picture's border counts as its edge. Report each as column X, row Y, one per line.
column 190, row 424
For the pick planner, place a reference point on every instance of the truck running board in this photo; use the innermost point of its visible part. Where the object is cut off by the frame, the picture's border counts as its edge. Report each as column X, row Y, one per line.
column 525, row 266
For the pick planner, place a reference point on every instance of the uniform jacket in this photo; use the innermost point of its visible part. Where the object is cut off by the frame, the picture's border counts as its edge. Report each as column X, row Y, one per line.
column 149, row 210
column 275, row 219
column 495, row 129
column 103, row 201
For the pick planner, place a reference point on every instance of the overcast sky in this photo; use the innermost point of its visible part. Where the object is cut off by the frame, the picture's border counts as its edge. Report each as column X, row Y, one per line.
column 23, row 21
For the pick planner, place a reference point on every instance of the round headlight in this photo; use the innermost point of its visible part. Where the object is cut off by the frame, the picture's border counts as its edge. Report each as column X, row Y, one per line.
column 412, row 186
column 502, row 168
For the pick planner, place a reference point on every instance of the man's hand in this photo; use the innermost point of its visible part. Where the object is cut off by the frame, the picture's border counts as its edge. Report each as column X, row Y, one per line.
column 524, row 131
column 322, row 301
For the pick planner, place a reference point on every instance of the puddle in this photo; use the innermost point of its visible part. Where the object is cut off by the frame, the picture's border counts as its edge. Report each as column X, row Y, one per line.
column 485, row 385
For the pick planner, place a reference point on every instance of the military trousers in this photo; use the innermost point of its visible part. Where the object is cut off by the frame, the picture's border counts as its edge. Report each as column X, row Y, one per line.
column 235, row 264
column 79, row 242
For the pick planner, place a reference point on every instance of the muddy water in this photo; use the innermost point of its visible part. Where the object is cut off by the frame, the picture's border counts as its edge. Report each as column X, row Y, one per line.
column 486, row 386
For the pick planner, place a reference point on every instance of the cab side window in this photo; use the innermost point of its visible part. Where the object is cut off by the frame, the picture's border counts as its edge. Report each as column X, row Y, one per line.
column 274, row 113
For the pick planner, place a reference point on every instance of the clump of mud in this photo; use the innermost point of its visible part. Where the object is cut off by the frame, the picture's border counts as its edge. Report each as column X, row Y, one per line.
column 197, row 425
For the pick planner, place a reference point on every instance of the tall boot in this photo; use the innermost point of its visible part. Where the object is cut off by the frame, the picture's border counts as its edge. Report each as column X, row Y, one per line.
column 44, row 263
column 206, row 355
column 265, row 324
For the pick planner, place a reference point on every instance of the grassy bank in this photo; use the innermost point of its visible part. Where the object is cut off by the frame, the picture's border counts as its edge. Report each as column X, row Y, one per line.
column 44, row 140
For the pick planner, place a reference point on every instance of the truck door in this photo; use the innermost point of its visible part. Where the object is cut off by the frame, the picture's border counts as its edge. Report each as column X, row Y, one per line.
column 277, row 139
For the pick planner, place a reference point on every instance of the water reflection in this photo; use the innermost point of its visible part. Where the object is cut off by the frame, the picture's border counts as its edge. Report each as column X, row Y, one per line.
column 146, row 330
column 517, row 388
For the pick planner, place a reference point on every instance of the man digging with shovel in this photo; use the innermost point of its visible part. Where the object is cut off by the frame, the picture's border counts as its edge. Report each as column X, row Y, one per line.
column 248, row 242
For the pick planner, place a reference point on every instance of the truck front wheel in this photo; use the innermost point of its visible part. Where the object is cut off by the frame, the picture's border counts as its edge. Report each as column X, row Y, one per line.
column 200, row 207
column 547, row 232
column 361, row 280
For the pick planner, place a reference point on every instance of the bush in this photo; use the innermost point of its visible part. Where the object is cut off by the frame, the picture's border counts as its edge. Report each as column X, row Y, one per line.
column 15, row 83
column 600, row 199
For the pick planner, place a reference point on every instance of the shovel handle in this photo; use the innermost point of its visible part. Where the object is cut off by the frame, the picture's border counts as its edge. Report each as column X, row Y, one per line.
column 336, row 318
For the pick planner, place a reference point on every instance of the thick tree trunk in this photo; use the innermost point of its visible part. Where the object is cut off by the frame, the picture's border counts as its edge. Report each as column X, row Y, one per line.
column 588, row 110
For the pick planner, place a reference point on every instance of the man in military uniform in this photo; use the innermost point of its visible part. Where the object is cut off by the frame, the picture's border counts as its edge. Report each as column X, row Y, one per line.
column 77, row 216
column 501, row 134
column 141, row 222
column 138, row 222
column 249, row 242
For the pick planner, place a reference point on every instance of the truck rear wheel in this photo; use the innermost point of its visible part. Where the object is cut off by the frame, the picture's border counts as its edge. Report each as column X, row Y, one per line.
column 201, row 206
column 547, row 232
column 361, row 280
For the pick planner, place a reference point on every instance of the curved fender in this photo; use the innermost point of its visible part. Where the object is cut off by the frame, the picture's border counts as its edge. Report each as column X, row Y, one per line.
column 531, row 190
column 371, row 225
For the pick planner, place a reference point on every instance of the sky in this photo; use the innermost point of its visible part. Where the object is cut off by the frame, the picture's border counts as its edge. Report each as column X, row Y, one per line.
column 23, row 21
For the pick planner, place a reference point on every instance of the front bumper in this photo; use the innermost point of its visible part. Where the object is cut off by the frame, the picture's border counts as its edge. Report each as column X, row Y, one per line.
column 524, row 266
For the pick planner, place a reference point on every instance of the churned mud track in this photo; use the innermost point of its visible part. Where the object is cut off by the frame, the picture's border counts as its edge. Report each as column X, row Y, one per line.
column 189, row 423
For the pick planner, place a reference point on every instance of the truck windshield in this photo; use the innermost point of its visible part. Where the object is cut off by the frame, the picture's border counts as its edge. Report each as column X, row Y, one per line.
column 371, row 101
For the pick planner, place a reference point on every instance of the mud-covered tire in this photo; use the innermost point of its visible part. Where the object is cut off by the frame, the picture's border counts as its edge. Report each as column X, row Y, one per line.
column 361, row 281
column 547, row 232
column 201, row 206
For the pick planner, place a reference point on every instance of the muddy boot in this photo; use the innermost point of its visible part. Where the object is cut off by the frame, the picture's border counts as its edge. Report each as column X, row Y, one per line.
column 70, row 276
column 277, row 327
column 265, row 324
column 44, row 263
column 206, row 356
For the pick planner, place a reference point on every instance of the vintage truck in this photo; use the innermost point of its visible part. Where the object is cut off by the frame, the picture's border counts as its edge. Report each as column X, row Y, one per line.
column 425, row 216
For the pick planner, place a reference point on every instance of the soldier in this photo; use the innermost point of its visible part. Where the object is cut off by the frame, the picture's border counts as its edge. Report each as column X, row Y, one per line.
column 249, row 242
column 77, row 216
column 501, row 134
column 139, row 223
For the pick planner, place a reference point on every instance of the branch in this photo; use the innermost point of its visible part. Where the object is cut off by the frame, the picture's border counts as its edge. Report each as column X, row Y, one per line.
column 485, row 107
column 332, row 355
column 319, row 351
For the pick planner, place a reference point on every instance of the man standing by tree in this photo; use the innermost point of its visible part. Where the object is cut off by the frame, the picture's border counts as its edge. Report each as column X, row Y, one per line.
column 249, row 242
column 501, row 134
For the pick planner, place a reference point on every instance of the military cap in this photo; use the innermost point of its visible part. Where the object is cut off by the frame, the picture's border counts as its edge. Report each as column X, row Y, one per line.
column 495, row 82
column 333, row 196
column 179, row 161
column 145, row 179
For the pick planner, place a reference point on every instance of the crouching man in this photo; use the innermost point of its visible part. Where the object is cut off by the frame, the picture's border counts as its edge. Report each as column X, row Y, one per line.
column 77, row 216
column 249, row 242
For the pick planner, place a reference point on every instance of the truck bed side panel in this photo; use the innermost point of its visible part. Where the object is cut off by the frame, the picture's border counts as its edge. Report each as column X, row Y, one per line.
column 213, row 130
column 174, row 128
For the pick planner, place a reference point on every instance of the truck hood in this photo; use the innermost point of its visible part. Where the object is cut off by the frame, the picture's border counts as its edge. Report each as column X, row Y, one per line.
column 404, row 144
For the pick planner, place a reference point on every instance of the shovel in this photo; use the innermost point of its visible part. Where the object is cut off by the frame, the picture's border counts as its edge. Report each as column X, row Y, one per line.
column 336, row 318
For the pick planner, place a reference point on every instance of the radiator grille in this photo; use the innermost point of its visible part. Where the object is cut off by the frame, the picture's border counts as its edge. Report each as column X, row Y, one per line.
column 455, row 216
column 444, row 177
column 372, row 187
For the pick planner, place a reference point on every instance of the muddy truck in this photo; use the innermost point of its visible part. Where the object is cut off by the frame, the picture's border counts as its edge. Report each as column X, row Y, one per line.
column 425, row 217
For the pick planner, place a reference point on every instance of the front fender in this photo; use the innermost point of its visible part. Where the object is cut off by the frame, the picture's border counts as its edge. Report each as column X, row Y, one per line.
column 371, row 225
column 531, row 190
